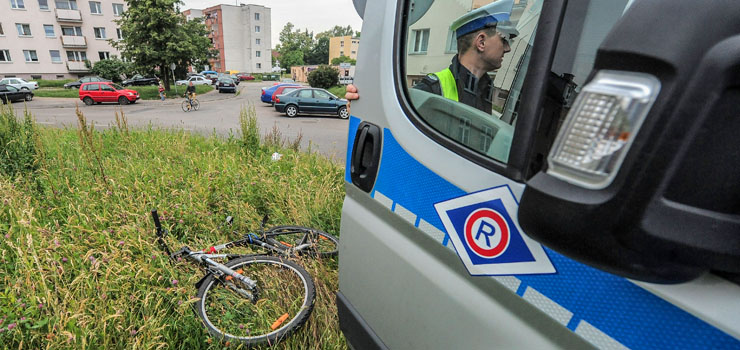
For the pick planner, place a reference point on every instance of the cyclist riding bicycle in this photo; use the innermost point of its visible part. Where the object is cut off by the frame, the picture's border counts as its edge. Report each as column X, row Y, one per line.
column 190, row 92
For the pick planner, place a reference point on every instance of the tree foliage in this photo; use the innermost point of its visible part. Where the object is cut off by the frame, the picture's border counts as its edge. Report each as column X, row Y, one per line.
column 156, row 35
column 314, row 49
column 324, row 77
column 341, row 59
column 113, row 69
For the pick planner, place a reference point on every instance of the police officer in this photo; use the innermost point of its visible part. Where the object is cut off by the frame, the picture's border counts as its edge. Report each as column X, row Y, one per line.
column 483, row 37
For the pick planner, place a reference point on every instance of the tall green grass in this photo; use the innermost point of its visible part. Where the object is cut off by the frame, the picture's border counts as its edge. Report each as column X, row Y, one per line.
column 146, row 92
column 79, row 267
column 53, row 83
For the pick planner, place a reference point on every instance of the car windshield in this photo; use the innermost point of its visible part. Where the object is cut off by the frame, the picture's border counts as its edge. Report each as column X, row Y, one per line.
column 117, row 87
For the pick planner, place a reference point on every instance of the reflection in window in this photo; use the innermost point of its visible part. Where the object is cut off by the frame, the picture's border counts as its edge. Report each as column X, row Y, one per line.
column 485, row 117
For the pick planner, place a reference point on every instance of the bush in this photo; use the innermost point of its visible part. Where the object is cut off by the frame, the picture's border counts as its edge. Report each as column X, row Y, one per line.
column 18, row 142
column 53, row 83
column 324, row 77
column 112, row 69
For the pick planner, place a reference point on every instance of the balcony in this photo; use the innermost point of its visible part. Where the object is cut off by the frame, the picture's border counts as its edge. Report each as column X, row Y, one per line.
column 71, row 41
column 77, row 67
column 68, row 15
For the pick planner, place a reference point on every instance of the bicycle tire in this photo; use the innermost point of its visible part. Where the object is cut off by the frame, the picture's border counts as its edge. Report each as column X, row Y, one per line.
column 185, row 106
column 196, row 104
column 282, row 284
column 323, row 244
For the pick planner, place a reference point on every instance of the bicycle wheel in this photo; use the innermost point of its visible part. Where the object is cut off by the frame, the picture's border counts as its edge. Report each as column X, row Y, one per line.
column 196, row 104
column 185, row 106
column 286, row 296
column 321, row 244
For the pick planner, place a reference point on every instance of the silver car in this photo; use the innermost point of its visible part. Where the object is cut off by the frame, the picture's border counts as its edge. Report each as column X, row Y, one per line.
column 20, row 84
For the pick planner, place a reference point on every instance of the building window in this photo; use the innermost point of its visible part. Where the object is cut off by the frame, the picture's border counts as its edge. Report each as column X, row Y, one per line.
column 341, row 43
column 76, row 56
column 421, row 40
column 66, row 4
column 99, row 33
column 23, row 29
column 44, row 4
column 103, row 55
column 451, row 46
column 55, row 56
column 354, row 52
column 256, row 16
column 17, row 4
column 258, row 53
column 95, row 8
column 119, row 33
column 71, row 31
column 49, row 30
column 259, row 65
column 30, row 55
column 2, row 33
column 117, row 9
column 4, row 56
column 257, row 41
column 256, row 29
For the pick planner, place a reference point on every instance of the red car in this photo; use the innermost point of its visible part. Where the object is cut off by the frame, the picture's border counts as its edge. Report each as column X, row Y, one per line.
column 98, row 92
column 243, row 76
column 283, row 90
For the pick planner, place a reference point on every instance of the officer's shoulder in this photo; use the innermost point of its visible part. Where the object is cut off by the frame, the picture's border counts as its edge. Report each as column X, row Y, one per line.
column 431, row 77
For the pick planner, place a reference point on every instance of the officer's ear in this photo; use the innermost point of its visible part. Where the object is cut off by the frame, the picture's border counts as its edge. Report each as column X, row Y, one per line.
column 480, row 41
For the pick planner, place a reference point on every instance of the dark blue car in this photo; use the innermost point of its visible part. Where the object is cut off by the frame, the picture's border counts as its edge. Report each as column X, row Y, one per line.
column 267, row 92
column 311, row 101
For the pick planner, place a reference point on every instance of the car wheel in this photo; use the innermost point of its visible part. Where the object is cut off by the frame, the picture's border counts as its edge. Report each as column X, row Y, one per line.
column 291, row 111
column 343, row 113
column 122, row 100
column 29, row 97
column 88, row 101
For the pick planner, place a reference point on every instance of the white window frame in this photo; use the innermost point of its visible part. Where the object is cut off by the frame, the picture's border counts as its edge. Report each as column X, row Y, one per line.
column 29, row 55
column 100, row 33
column 116, row 12
column 44, row 6
column 257, row 41
column 96, row 5
column 77, row 30
column 418, row 38
column 17, row 5
column 451, row 46
column 19, row 26
column 105, row 55
column 77, row 56
column 53, row 31
column 5, row 56
column 259, row 65
column 59, row 56
column 256, row 29
column 71, row 4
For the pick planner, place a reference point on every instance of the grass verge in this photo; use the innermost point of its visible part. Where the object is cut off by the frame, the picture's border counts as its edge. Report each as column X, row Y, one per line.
column 79, row 267
column 146, row 92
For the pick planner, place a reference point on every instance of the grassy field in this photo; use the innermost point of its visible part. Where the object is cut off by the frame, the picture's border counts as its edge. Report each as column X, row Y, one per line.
column 146, row 92
column 338, row 91
column 53, row 83
column 79, row 267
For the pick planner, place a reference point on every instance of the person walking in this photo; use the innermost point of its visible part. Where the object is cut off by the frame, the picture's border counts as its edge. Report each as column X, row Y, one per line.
column 161, row 91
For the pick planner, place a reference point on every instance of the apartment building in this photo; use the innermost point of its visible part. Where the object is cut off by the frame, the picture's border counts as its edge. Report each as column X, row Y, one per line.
column 241, row 34
column 56, row 39
column 343, row 46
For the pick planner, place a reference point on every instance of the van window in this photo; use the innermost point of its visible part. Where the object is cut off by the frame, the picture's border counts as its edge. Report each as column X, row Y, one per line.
column 485, row 126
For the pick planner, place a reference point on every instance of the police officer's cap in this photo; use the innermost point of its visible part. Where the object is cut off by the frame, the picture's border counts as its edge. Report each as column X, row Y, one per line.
column 496, row 13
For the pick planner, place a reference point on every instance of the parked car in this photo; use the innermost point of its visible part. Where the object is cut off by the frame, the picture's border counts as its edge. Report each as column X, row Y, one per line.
column 283, row 90
column 20, row 84
column 138, row 80
column 226, row 84
column 196, row 79
column 99, row 92
column 77, row 84
column 287, row 80
column 9, row 93
column 268, row 91
column 313, row 101
column 244, row 76
column 234, row 78
column 206, row 72
column 213, row 78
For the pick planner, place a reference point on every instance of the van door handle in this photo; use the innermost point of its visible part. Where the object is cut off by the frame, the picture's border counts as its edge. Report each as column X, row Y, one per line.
column 366, row 156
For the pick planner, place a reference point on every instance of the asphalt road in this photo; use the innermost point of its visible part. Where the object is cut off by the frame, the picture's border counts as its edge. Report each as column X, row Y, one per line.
column 218, row 113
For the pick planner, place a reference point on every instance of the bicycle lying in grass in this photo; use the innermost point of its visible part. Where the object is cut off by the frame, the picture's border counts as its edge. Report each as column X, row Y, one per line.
column 256, row 299
column 190, row 104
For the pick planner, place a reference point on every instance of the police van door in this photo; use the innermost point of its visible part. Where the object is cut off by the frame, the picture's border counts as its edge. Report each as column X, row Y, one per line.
column 432, row 255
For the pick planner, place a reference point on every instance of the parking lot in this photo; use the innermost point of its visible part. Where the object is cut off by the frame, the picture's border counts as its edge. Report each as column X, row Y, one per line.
column 218, row 113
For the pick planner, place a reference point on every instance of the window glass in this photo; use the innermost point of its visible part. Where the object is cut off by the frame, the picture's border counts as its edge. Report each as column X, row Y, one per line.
column 17, row 4
column 256, row 29
column 11, row 88
column 106, row 87
column 484, row 118
column 55, row 56
column 259, row 65
column 256, row 16
column 49, row 30
column 103, row 55
column 44, row 4
column 1, row 29
column 95, row 8
column 305, row 93
column 257, row 41
column 30, row 55
column 72, row 31
column 99, row 33
column 117, row 9
column 119, row 33
column 23, row 29
column 66, row 4
column 320, row 94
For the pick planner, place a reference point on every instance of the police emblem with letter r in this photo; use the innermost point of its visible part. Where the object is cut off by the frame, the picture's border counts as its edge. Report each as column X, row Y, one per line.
column 483, row 228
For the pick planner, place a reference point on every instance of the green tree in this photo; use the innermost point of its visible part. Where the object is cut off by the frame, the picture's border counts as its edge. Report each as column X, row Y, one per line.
column 319, row 53
column 324, row 77
column 294, row 46
column 340, row 31
column 156, row 35
column 112, row 69
column 341, row 59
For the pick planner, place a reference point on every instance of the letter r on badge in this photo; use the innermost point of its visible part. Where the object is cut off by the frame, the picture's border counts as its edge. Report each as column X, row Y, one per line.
column 487, row 230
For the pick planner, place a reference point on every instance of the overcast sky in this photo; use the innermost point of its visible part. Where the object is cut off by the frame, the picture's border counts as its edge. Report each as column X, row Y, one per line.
column 316, row 15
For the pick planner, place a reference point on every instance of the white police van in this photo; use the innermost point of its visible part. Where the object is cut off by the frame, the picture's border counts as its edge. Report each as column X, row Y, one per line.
column 596, row 206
